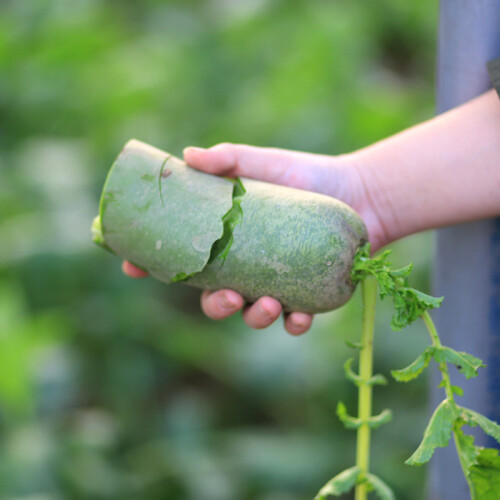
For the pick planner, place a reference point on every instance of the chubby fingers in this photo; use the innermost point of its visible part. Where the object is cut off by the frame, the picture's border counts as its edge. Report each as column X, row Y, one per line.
column 267, row 310
column 221, row 304
column 264, row 312
column 133, row 271
column 224, row 303
column 297, row 323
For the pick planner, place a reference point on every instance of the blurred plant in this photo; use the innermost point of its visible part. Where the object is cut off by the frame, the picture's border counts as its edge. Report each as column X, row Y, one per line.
column 117, row 389
column 481, row 466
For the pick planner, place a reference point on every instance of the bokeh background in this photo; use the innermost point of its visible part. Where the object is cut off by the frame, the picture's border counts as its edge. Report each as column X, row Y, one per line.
column 112, row 388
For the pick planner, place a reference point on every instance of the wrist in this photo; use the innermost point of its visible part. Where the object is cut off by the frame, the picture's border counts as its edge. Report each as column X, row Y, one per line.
column 441, row 172
column 370, row 196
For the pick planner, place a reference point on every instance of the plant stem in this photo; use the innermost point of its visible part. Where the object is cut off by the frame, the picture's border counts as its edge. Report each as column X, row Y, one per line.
column 369, row 293
column 443, row 367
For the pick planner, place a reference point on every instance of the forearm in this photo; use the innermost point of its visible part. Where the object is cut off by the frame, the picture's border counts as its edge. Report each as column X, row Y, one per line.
column 444, row 171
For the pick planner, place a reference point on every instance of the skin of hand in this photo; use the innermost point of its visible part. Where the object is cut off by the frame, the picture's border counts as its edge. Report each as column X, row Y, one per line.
column 422, row 178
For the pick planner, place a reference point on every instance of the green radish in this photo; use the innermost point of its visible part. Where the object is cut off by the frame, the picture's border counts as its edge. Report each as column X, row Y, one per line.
column 182, row 225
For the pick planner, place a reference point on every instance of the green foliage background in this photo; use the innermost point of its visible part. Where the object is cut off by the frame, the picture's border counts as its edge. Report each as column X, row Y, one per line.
column 118, row 389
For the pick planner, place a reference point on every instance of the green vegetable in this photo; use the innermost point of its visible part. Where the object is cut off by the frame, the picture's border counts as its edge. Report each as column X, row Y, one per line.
column 257, row 238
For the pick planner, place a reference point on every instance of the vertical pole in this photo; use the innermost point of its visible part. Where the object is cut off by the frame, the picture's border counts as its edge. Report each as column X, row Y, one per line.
column 467, row 265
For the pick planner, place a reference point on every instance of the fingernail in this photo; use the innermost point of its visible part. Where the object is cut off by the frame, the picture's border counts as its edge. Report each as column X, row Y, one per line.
column 226, row 302
column 264, row 311
column 299, row 320
column 193, row 149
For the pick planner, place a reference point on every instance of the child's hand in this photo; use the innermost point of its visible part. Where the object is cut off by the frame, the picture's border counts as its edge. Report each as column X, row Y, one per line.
column 441, row 172
column 329, row 175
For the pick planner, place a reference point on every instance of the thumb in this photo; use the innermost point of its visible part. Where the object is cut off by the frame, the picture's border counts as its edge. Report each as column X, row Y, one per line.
column 234, row 160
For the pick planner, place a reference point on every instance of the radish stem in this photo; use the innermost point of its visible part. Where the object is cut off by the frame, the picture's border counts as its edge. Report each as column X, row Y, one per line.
column 369, row 294
column 443, row 368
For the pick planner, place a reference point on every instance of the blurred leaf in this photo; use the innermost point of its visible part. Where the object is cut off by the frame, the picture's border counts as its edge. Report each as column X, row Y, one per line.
column 466, row 363
column 474, row 418
column 381, row 489
column 437, row 434
column 413, row 370
column 103, row 378
column 485, row 475
column 341, row 483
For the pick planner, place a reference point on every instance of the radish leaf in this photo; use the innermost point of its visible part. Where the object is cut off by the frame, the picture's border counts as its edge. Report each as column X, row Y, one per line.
column 380, row 488
column 409, row 303
column 341, row 483
column 437, row 434
column 350, row 375
column 472, row 418
column 413, row 370
column 348, row 421
column 382, row 418
column 484, row 476
column 467, row 450
column 466, row 363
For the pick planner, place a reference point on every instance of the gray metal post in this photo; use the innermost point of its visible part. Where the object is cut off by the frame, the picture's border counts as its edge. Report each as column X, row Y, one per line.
column 467, row 268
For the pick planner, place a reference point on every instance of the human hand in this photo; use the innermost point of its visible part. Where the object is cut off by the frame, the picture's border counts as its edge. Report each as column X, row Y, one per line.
column 338, row 177
column 422, row 178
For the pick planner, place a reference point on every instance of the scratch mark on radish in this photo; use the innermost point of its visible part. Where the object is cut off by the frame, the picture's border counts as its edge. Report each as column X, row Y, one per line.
column 164, row 173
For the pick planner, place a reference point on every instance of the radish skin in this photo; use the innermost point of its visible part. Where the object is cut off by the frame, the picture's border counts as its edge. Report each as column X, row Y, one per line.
column 180, row 224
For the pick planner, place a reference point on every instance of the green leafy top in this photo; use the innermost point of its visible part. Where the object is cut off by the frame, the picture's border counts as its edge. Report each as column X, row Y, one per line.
column 409, row 303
